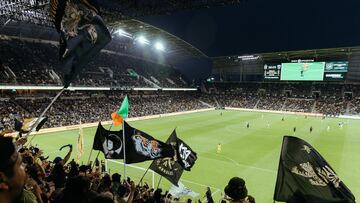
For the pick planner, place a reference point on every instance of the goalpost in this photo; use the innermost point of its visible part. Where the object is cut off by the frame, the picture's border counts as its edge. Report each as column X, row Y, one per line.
column 134, row 172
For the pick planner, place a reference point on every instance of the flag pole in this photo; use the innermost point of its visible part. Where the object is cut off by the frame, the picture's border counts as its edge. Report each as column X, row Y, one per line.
column 144, row 175
column 43, row 113
column 89, row 156
column 95, row 160
column 159, row 182
column 124, row 152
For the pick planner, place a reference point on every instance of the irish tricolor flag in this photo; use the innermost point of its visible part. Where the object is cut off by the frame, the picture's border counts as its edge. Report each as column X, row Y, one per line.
column 119, row 116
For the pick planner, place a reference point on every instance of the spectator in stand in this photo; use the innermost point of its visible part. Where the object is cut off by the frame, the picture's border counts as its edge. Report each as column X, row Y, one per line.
column 12, row 172
column 58, row 173
column 236, row 190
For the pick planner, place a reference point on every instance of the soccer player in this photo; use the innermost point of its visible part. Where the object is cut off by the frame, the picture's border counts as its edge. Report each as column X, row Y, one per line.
column 311, row 128
column 283, row 119
column 218, row 148
column 294, row 129
column 247, row 125
column 328, row 128
column 303, row 69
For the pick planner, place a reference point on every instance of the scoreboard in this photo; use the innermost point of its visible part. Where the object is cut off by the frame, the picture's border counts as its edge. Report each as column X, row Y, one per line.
column 308, row 71
column 272, row 71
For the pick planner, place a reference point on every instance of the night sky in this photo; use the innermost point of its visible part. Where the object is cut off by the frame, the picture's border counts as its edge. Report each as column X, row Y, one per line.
column 257, row 26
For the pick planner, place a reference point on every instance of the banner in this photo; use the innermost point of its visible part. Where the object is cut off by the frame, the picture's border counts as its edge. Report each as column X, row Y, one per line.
column 139, row 145
column 142, row 147
column 305, row 176
column 186, row 157
column 169, row 168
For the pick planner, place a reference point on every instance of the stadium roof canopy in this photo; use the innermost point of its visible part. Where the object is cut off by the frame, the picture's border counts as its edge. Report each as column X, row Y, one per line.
column 117, row 14
column 173, row 44
column 330, row 54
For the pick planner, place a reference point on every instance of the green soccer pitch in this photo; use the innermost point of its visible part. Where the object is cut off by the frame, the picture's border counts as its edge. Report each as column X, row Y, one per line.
column 252, row 154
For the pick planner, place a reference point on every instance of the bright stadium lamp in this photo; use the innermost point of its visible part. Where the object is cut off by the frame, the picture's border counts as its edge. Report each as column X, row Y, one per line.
column 121, row 32
column 159, row 46
column 142, row 40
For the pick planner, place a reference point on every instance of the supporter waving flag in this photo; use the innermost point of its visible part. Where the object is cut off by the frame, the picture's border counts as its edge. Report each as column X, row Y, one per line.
column 82, row 34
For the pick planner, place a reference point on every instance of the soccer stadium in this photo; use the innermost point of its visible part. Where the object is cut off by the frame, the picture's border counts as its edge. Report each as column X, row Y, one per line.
column 167, row 101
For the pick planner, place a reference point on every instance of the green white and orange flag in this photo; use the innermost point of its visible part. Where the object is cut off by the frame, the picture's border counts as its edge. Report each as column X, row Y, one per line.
column 123, row 112
column 80, row 144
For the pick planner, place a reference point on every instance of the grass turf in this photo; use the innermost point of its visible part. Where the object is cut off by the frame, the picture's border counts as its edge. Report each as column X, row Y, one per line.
column 252, row 154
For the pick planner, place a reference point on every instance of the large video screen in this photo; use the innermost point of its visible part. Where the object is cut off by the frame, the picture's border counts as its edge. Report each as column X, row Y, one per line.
column 313, row 71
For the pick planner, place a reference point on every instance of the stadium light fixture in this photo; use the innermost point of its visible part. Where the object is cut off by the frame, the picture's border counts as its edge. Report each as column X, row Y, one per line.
column 142, row 40
column 159, row 46
column 121, row 32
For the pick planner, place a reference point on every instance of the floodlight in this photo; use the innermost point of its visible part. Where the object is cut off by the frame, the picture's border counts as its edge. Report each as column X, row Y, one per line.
column 142, row 40
column 121, row 32
column 159, row 46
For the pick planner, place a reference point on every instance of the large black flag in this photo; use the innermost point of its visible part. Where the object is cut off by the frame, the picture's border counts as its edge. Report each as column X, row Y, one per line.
column 109, row 142
column 305, row 177
column 169, row 168
column 138, row 145
column 186, row 157
column 142, row 147
column 82, row 34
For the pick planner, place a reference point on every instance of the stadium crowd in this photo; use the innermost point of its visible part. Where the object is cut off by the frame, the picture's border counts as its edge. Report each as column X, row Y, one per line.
column 27, row 176
column 92, row 106
column 30, row 62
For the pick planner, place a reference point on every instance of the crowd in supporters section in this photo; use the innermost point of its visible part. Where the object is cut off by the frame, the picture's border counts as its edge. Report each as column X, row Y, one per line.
column 28, row 176
column 25, row 62
column 94, row 107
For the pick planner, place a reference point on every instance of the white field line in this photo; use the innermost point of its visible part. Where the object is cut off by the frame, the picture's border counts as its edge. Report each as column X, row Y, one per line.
column 184, row 180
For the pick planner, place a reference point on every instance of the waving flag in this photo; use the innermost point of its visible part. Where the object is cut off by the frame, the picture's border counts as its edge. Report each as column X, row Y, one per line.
column 82, row 34
column 186, row 157
column 138, row 145
column 28, row 123
column 142, row 147
column 109, row 142
column 305, row 176
column 168, row 167
column 123, row 112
